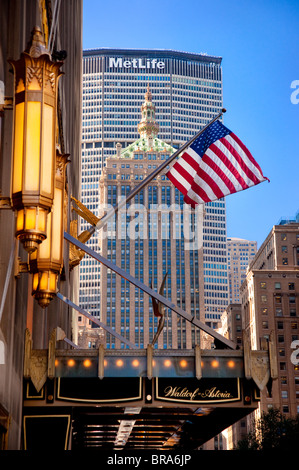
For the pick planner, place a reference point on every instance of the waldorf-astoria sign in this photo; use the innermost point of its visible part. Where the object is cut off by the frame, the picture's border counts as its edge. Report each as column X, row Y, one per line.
column 176, row 390
column 198, row 391
column 136, row 63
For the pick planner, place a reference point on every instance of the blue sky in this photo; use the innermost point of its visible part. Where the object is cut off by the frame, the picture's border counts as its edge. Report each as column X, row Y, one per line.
column 259, row 45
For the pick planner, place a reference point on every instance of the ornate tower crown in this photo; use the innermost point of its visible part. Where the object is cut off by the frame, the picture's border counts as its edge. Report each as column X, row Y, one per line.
column 148, row 128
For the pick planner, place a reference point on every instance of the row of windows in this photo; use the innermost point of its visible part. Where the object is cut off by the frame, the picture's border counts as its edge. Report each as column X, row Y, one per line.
column 277, row 285
column 279, row 312
column 90, row 80
column 278, row 298
column 280, row 326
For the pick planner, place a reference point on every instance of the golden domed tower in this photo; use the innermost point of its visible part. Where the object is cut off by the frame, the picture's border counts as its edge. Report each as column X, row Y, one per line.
column 148, row 128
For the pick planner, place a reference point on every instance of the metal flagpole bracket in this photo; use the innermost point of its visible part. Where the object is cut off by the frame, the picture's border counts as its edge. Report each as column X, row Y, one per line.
column 198, row 362
column 101, row 355
column 149, row 361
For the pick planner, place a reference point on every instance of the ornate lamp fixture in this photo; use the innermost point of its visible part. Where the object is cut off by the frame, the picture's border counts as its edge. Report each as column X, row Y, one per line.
column 47, row 261
column 34, row 145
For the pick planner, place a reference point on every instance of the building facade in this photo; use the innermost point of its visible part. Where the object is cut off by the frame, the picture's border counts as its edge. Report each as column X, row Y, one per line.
column 270, row 307
column 19, row 311
column 160, row 241
column 239, row 254
column 187, row 92
column 231, row 327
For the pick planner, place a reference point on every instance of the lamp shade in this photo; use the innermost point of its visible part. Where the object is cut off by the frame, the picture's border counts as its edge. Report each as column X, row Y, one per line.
column 34, row 142
column 47, row 261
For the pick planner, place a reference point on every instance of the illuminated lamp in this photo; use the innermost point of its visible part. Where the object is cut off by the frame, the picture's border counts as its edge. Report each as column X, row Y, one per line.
column 34, row 141
column 214, row 363
column 47, row 261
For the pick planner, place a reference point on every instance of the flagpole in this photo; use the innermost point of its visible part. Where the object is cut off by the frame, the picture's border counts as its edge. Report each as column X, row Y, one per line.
column 149, row 178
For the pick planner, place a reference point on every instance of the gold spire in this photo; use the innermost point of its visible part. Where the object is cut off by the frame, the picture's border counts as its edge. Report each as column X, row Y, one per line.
column 148, row 95
column 148, row 128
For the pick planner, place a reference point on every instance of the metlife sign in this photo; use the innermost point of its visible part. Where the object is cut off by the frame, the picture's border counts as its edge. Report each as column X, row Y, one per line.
column 136, row 63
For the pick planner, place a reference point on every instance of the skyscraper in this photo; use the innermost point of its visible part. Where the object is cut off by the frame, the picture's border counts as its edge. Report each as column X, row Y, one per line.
column 239, row 254
column 270, row 309
column 161, row 242
column 187, row 91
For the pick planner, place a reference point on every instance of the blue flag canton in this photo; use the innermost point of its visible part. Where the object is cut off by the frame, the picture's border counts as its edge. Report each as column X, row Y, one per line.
column 214, row 132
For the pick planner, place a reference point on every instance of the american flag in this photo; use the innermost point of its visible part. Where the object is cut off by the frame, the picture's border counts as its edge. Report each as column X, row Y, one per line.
column 216, row 164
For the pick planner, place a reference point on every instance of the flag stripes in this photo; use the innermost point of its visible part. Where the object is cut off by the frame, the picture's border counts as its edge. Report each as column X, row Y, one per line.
column 225, row 167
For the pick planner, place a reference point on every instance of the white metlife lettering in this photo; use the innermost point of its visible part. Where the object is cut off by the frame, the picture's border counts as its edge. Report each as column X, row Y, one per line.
column 118, row 62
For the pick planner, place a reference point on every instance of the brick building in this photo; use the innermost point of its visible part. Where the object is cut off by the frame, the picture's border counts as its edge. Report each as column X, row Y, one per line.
column 270, row 305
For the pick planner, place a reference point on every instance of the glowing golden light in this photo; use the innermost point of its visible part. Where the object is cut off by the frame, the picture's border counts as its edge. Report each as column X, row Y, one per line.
column 215, row 363
column 183, row 363
column 71, row 362
column 135, row 363
column 231, row 364
column 167, row 363
column 87, row 363
column 119, row 362
column 34, row 141
column 47, row 261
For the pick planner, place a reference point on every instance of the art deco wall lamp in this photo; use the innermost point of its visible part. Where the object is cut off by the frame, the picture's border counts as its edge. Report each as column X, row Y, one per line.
column 46, row 262
column 38, row 168
column 34, row 142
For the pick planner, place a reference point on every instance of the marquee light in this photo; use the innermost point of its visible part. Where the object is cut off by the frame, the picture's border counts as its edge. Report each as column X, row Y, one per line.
column 34, row 143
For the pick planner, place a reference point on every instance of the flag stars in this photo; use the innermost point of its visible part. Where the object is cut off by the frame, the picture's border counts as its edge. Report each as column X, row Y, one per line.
column 215, row 132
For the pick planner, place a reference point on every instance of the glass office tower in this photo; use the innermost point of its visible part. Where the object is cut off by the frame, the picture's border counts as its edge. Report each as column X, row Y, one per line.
column 187, row 92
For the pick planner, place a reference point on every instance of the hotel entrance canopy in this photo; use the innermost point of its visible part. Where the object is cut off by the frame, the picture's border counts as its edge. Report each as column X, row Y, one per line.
column 147, row 399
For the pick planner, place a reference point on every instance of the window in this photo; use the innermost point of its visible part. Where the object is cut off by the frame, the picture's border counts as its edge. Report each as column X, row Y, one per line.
column 263, row 285
column 278, row 312
column 283, row 236
column 278, row 299
column 277, row 285
column 292, row 312
column 283, row 380
column 265, row 324
column 285, row 261
column 281, row 338
column 291, row 286
column 284, row 249
column 292, row 299
column 263, row 298
column 284, row 394
column 282, row 366
column 280, row 325
column 265, row 311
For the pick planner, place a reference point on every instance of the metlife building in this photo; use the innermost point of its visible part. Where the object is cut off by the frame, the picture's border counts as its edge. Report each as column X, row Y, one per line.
column 186, row 89
column 187, row 92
